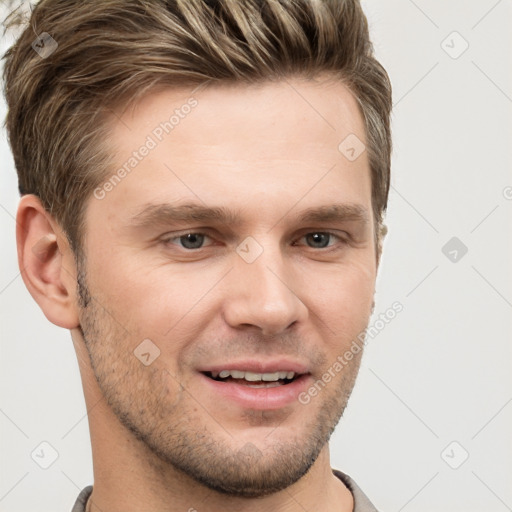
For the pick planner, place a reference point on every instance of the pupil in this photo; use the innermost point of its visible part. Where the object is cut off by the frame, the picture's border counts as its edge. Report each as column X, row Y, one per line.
column 192, row 240
column 319, row 239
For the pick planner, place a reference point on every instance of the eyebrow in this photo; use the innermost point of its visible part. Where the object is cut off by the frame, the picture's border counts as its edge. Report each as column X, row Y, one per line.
column 190, row 212
column 336, row 212
column 193, row 212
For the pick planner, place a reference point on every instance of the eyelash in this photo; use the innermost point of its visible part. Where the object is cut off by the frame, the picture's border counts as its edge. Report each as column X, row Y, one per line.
column 168, row 240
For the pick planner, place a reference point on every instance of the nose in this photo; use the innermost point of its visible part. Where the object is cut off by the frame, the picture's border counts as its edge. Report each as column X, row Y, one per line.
column 262, row 294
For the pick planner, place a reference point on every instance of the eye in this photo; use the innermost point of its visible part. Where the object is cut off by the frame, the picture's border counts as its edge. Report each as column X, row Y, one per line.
column 189, row 240
column 320, row 239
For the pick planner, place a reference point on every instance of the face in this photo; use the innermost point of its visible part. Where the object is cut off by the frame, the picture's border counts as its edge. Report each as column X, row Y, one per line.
column 227, row 268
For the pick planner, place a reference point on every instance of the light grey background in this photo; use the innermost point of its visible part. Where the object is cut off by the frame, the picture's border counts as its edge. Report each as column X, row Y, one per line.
column 438, row 373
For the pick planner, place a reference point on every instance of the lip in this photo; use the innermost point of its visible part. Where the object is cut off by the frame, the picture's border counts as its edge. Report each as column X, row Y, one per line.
column 262, row 399
column 275, row 365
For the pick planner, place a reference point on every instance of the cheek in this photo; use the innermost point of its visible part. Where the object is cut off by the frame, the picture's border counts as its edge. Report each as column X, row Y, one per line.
column 343, row 301
column 166, row 303
column 138, row 298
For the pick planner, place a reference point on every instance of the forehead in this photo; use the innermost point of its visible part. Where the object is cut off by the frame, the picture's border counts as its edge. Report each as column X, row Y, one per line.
column 308, row 109
column 264, row 144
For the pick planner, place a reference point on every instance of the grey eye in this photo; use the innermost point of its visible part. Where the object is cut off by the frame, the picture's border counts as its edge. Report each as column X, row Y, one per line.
column 192, row 240
column 318, row 240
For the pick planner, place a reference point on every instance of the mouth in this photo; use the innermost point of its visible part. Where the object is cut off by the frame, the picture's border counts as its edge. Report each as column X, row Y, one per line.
column 254, row 380
column 269, row 390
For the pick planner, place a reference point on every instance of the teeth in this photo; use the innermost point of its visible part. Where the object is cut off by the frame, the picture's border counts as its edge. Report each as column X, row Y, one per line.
column 268, row 385
column 250, row 376
column 253, row 377
column 269, row 377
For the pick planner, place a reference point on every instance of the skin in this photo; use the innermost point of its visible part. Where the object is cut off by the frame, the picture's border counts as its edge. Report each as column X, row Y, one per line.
column 161, row 439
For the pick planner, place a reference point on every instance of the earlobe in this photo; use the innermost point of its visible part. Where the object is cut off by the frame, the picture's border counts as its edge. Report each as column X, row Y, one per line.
column 46, row 262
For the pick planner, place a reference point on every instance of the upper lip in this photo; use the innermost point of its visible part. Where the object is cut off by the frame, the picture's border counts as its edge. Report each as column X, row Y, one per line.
column 275, row 365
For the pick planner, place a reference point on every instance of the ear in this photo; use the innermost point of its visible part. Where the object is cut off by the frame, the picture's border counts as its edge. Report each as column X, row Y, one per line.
column 46, row 262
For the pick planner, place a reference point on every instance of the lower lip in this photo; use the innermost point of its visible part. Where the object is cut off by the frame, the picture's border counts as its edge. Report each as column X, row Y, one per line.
column 260, row 398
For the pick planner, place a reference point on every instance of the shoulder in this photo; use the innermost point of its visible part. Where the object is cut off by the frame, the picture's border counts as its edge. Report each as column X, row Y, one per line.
column 361, row 501
column 81, row 501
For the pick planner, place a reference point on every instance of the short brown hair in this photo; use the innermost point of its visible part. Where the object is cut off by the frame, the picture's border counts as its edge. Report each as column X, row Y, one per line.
column 117, row 50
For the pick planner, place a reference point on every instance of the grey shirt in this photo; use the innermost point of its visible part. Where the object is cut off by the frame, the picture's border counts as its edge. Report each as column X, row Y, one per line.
column 361, row 502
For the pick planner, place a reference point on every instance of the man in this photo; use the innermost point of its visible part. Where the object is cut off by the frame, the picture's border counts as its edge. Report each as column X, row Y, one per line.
column 203, row 188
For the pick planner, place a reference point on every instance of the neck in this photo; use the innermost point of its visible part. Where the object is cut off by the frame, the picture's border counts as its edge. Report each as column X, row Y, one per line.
column 129, row 490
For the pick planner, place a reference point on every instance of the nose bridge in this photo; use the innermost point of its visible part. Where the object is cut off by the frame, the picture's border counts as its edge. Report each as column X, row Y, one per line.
column 260, row 294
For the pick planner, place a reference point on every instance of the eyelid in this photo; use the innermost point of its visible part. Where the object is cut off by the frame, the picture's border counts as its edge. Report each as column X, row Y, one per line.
column 341, row 236
column 169, row 237
column 337, row 235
